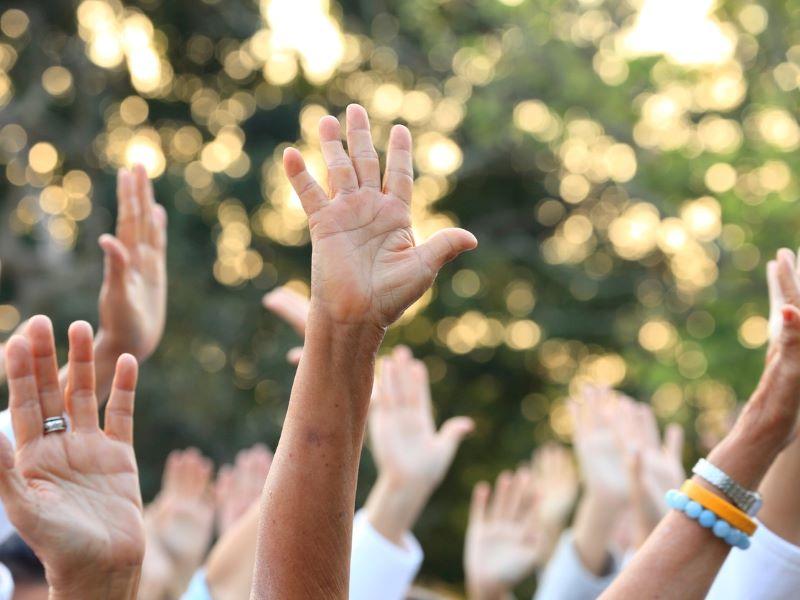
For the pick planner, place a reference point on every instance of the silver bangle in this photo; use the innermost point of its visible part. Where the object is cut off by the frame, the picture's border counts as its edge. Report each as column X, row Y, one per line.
column 746, row 500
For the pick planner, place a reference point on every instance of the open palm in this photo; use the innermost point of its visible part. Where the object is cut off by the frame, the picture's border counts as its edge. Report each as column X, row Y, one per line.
column 405, row 442
column 503, row 543
column 134, row 293
column 74, row 496
column 366, row 265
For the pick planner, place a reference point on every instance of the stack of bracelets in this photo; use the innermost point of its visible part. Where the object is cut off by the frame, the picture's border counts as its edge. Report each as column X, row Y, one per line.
column 730, row 521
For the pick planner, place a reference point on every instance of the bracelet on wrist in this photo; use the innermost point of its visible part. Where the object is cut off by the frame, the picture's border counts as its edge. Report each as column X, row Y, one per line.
column 713, row 512
column 747, row 500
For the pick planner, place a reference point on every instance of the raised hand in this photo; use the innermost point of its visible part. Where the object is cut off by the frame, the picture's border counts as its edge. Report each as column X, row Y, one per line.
column 366, row 265
column 411, row 456
column 403, row 435
column 503, row 543
column 554, row 475
column 239, row 486
column 73, row 495
column 293, row 308
column 598, row 445
column 654, row 467
column 134, row 294
column 181, row 518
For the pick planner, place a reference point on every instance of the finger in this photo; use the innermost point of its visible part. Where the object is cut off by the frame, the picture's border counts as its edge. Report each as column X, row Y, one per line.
column 169, row 478
column 387, row 390
column 311, row 195
column 361, row 149
column 517, row 492
column 422, row 387
column 398, row 180
column 23, row 397
column 444, row 246
column 648, row 424
column 157, row 231
column 80, row 398
column 119, row 412
column 289, row 306
column 45, row 363
column 341, row 174
column 116, row 260
column 405, row 388
column 452, row 433
column 144, row 197
column 480, row 499
column 787, row 280
column 501, row 497
column 294, row 355
column 127, row 211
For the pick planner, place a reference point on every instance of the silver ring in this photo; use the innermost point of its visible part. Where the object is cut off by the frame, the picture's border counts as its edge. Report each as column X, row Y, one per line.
column 54, row 425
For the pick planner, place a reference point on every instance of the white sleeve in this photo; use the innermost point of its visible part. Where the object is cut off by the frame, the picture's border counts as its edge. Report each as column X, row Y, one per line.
column 6, row 528
column 768, row 570
column 565, row 577
column 379, row 568
column 198, row 588
column 6, row 583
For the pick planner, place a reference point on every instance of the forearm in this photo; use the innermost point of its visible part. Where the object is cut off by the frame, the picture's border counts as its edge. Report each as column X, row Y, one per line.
column 681, row 550
column 781, row 493
column 393, row 506
column 595, row 520
column 307, row 508
column 229, row 569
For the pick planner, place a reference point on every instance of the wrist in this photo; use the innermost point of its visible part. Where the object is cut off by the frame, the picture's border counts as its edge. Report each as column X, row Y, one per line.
column 107, row 346
column 745, row 455
column 321, row 311
column 121, row 584
column 394, row 505
column 489, row 590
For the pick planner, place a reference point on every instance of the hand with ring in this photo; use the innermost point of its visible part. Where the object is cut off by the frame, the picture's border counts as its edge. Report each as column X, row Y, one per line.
column 73, row 495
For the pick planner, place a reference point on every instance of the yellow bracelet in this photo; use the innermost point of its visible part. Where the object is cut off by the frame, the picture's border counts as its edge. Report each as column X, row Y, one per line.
column 719, row 506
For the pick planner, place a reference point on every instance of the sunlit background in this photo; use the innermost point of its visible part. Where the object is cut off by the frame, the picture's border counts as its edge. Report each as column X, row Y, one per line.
column 629, row 167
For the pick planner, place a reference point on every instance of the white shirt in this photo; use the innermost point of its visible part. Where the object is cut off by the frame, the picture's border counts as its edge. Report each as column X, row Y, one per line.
column 768, row 570
column 198, row 588
column 565, row 577
column 379, row 568
column 6, row 583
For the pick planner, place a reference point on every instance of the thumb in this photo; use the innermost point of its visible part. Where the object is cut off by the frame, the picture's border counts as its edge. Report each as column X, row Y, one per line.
column 453, row 431
column 444, row 246
column 116, row 259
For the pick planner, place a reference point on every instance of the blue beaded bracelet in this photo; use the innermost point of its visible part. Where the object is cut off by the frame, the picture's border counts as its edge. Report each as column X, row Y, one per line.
column 721, row 528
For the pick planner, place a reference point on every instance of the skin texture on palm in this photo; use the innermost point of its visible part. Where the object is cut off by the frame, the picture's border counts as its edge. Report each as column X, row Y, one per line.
column 411, row 455
column 239, row 486
column 180, row 521
column 73, row 496
column 679, row 547
column 503, row 542
column 366, row 269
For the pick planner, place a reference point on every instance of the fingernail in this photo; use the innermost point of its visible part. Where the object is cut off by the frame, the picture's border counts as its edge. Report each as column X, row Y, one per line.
column 788, row 315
